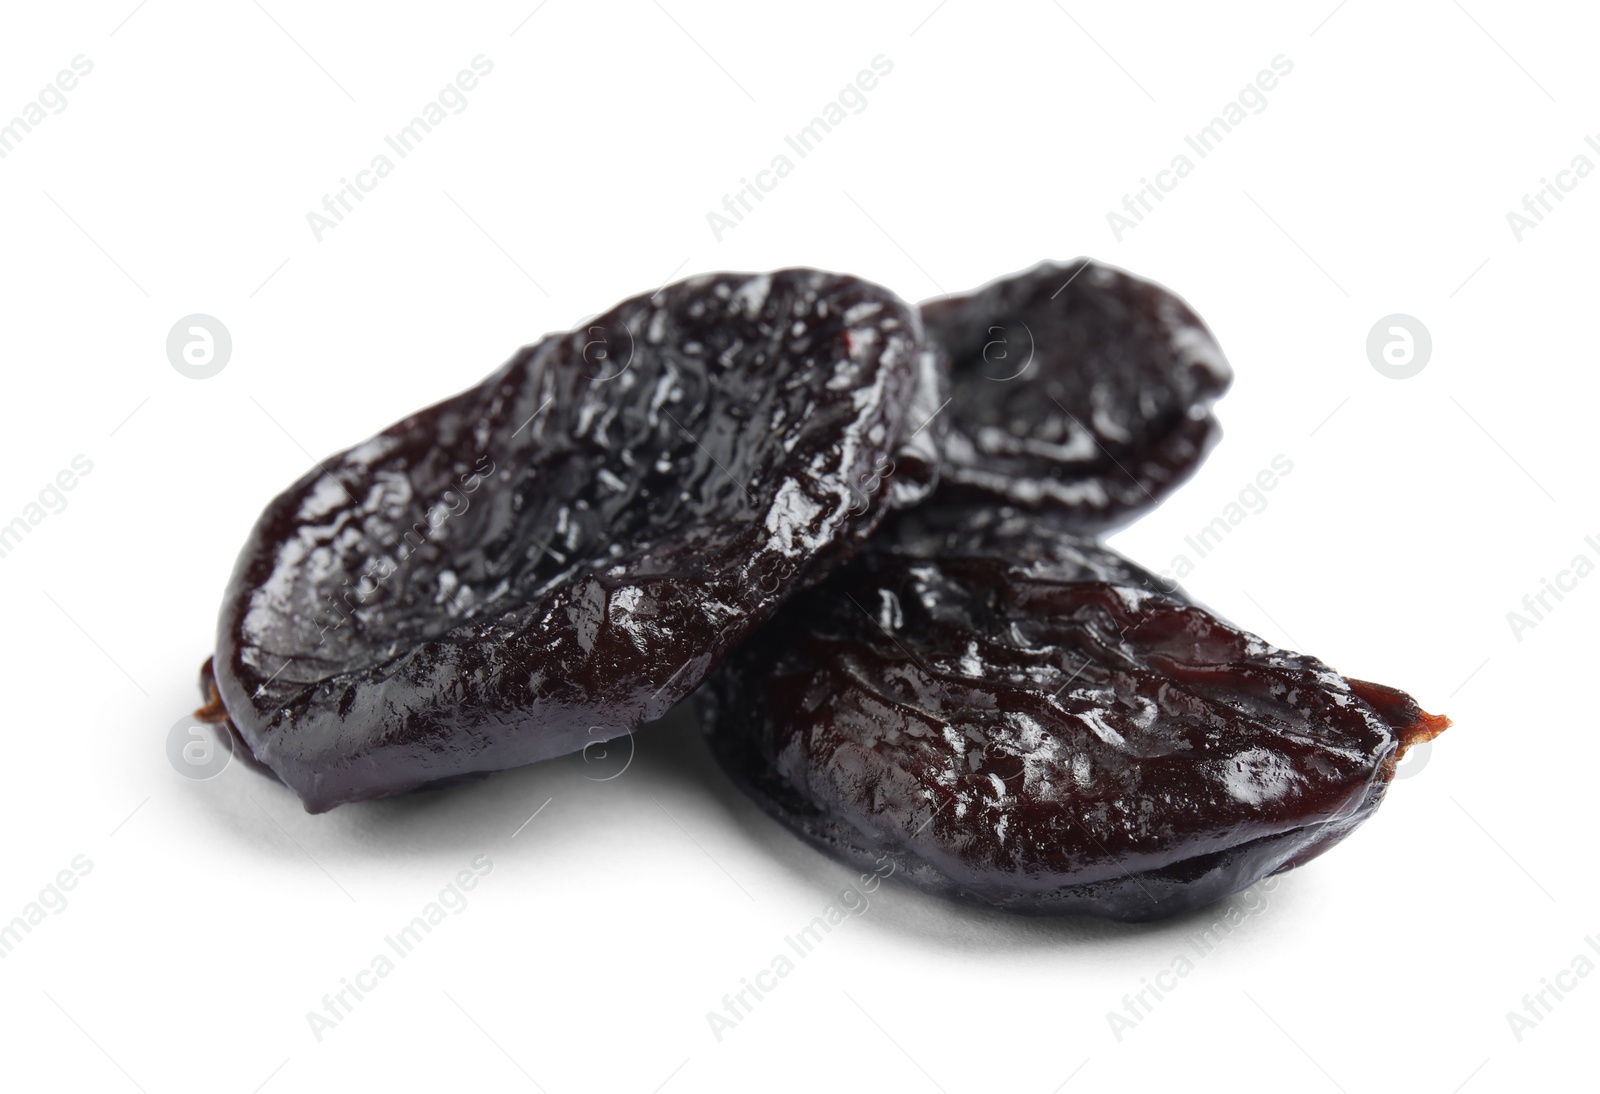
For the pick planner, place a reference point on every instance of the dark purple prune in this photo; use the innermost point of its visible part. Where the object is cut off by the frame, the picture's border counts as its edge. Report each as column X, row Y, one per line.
column 999, row 711
column 564, row 551
column 1076, row 387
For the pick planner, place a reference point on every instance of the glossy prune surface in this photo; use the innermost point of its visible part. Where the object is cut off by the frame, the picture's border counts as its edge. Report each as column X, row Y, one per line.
column 1017, row 717
column 1076, row 387
column 563, row 552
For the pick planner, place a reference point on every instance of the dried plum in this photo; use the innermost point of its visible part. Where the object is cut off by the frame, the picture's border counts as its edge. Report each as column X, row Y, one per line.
column 1011, row 715
column 1076, row 387
column 564, row 551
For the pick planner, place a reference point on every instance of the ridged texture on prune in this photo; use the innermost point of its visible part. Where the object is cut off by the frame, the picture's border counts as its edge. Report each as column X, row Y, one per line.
column 564, row 551
column 1020, row 718
column 1076, row 387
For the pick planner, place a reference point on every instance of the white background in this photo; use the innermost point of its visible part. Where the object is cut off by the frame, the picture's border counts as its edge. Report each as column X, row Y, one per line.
column 1418, row 514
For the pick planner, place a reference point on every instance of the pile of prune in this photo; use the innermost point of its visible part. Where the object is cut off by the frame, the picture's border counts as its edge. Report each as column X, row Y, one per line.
column 685, row 496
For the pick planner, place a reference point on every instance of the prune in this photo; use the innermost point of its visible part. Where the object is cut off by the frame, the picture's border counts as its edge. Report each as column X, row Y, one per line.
column 1001, row 712
column 563, row 552
column 1077, row 387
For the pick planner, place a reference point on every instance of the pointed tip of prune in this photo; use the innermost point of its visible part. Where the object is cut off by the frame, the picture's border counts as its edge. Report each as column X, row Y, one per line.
column 1411, row 724
column 214, row 712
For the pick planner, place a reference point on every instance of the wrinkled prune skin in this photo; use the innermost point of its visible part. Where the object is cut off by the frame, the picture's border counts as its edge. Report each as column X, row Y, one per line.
column 1001, row 712
column 1076, row 387
column 563, row 552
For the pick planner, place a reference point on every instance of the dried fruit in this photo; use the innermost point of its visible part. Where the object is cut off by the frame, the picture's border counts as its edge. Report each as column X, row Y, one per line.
column 1076, row 387
column 1017, row 717
column 564, row 551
